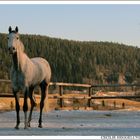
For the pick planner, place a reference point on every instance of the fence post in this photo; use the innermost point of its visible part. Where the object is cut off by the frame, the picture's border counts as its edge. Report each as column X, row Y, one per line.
column 61, row 94
column 114, row 104
column 89, row 95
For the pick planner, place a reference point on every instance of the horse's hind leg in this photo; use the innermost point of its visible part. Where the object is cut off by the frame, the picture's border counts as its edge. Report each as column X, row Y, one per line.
column 25, row 107
column 17, row 109
column 33, row 104
column 44, row 88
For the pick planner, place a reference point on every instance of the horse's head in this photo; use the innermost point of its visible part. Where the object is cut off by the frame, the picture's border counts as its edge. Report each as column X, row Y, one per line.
column 14, row 43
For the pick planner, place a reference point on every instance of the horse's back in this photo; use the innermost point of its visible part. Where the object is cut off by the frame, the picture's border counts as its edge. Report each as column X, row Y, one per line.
column 42, row 67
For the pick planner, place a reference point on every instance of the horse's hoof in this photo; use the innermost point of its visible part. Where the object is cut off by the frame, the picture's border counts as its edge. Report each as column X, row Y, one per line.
column 28, row 125
column 40, row 125
column 16, row 127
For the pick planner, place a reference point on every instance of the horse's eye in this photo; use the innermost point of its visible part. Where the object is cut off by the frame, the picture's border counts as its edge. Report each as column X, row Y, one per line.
column 7, row 37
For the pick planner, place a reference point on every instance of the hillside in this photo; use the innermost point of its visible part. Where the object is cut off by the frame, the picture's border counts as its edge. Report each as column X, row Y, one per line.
column 78, row 62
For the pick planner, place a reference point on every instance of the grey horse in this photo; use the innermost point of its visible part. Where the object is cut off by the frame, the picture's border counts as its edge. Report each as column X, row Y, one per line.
column 26, row 74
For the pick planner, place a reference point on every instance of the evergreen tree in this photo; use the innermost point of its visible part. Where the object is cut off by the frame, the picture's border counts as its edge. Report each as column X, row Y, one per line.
column 77, row 61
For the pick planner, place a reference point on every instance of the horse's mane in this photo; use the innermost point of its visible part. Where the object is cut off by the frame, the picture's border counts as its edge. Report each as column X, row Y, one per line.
column 21, row 47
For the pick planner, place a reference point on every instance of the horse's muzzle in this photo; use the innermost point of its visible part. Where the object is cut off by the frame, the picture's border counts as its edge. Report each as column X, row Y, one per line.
column 12, row 50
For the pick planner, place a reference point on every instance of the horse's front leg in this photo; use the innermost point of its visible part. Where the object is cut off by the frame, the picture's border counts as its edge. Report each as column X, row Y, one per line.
column 17, row 109
column 25, row 107
column 33, row 104
column 44, row 90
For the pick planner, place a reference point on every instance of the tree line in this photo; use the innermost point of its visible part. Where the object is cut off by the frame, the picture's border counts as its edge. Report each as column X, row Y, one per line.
column 78, row 61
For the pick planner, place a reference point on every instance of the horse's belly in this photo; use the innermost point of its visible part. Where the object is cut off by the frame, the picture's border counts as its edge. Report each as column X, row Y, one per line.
column 41, row 69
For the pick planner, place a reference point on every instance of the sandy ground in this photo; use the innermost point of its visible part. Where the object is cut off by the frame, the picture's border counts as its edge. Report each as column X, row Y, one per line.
column 52, row 104
column 74, row 123
column 69, row 122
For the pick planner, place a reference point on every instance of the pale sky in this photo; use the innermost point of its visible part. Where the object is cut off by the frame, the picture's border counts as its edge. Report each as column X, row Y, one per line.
column 88, row 22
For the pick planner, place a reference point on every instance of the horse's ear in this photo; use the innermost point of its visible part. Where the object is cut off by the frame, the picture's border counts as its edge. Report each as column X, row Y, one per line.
column 10, row 29
column 16, row 29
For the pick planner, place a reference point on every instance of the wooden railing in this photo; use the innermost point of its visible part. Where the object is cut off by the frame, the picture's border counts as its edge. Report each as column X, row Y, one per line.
column 89, row 88
column 89, row 93
column 62, row 85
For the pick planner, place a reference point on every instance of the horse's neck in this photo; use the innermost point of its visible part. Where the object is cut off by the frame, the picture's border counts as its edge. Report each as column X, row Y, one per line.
column 19, row 60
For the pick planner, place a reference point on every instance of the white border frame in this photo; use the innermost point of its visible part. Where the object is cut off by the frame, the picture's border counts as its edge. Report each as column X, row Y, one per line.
column 62, row 2
column 69, row 2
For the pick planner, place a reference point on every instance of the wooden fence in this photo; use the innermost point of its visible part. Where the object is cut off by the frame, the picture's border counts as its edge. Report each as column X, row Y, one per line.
column 89, row 89
column 61, row 87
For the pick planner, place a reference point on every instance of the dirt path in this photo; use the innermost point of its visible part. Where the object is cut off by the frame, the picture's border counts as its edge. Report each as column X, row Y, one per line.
column 69, row 123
